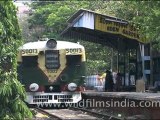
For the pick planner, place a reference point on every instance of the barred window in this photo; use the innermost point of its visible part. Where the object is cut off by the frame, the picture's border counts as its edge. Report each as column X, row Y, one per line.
column 52, row 59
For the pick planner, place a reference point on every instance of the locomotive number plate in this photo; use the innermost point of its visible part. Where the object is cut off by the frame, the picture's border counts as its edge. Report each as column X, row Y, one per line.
column 73, row 50
column 30, row 51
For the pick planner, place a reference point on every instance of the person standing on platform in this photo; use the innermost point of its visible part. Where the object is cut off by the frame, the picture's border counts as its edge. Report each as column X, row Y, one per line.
column 108, row 81
column 118, row 84
column 101, row 78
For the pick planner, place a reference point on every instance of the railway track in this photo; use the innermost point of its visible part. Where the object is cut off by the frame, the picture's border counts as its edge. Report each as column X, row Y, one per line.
column 103, row 116
column 47, row 114
column 74, row 114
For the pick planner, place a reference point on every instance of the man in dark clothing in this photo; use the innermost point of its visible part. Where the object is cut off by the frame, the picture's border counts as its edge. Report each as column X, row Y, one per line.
column 108, row 81
column 118, row 84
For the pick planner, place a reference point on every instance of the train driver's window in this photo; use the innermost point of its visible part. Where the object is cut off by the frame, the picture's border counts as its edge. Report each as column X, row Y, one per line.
column 30, row 61
column 73, row 59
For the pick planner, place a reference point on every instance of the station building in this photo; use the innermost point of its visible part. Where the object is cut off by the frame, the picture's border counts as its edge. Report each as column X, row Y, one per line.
column 134, row 56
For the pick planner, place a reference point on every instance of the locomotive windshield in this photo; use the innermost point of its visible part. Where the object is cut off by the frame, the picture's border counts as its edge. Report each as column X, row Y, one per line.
column 30, row 61
column 73, row 59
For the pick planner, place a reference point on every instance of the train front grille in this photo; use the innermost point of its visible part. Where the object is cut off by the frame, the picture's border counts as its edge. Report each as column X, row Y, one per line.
column 42, row 98
column 58, row 98
column 63, row 98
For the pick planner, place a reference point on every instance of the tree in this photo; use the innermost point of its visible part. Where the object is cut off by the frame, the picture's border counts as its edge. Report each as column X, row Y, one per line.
column 23, row 23
column 53, row 16
column 12, row 93
column 145, row 15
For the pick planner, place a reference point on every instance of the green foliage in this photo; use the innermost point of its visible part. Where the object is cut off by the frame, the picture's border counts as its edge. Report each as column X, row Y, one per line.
column 98, row 57
column 53, row 15
column 12, row 93
column 96, row 66
column 145, row 14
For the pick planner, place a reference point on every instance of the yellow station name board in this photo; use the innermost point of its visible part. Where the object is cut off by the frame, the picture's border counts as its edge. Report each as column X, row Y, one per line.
column 127, row 30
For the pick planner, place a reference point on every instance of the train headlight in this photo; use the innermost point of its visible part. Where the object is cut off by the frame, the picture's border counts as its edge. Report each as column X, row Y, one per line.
column 34, row 87
column 51, row 43
column 72, row 86
column 51, row 88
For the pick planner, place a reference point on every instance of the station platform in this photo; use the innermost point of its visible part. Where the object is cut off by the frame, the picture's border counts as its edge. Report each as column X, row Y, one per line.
column 126, row 103
column 128, row 95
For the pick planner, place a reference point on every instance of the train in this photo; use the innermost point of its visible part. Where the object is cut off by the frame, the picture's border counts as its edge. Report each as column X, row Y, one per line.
column 52, row 71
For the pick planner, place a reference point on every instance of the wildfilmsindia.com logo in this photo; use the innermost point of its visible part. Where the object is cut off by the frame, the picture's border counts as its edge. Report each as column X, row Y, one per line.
column 92, row 103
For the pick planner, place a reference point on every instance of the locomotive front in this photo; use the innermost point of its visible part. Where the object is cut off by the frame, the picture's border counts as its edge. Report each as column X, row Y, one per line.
column 52, row 71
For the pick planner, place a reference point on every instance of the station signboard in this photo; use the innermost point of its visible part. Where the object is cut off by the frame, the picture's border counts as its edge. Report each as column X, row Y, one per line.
column 105, row 24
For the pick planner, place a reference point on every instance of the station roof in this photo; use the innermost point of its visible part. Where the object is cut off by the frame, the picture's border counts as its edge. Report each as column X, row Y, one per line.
column 110, row 31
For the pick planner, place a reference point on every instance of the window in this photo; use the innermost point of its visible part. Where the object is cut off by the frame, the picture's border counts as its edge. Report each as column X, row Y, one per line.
column 30, row 61
column 52, row 59
column 73, row 59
